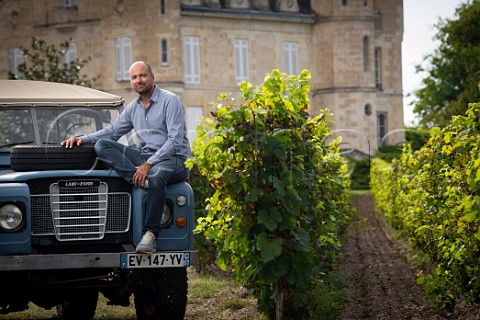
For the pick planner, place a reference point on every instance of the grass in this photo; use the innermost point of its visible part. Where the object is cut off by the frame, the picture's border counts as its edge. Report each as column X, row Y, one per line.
column 329, row 297
column 213, row 298
column 360, row 192
column 103, row 311
column 203, row 287
column 209, row 297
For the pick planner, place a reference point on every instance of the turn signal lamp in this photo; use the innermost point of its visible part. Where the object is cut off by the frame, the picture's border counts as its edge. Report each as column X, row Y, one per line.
column 181, row 222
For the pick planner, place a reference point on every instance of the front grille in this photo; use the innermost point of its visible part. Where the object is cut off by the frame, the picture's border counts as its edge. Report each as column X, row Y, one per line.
column 80, row 213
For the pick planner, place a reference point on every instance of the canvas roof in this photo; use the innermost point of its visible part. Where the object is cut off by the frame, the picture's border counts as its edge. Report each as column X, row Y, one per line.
column 41, row 93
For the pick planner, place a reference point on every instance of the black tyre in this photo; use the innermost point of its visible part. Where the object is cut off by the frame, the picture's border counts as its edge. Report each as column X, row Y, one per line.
column 161, row 294
column 48, row 157
column 78, row 305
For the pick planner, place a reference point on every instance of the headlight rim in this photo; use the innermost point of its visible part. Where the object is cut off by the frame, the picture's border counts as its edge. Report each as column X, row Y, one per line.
column 166, row 223
column 21, row 212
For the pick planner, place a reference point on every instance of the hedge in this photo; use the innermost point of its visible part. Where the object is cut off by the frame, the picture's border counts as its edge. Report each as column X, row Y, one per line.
column 432, row 197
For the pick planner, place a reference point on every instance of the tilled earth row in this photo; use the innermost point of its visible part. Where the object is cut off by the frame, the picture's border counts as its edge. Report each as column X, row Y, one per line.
column 381, row 278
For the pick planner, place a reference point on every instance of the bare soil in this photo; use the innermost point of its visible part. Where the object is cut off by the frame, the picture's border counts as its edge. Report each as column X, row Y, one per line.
column 381, row 276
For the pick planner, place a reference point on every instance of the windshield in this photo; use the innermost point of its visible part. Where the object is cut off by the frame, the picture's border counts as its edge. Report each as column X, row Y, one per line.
column 16, row 126
column 51, row 125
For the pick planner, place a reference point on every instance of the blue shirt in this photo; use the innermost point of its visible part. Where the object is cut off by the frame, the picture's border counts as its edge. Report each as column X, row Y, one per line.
column 160, row 127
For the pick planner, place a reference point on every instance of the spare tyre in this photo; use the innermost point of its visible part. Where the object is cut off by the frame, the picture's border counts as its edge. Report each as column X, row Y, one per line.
column 54, row 157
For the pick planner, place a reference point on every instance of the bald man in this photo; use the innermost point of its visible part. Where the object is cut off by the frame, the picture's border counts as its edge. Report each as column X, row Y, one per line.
column 157, row 116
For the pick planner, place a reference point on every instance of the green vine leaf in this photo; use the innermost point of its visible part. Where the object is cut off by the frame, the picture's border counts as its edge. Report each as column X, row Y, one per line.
column 270, row 248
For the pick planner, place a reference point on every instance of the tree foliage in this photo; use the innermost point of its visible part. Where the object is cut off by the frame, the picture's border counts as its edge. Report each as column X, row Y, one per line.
column 454, row 69
column 280, row 199
column 44, row 62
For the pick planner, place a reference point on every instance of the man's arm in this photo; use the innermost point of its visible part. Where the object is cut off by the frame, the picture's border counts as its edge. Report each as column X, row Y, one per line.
column 114, row 131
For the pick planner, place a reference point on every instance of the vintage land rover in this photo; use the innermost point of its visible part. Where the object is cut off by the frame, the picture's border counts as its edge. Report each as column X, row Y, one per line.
column 68, row 224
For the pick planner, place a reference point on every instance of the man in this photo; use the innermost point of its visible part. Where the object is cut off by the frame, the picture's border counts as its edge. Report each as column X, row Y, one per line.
column 157, row 116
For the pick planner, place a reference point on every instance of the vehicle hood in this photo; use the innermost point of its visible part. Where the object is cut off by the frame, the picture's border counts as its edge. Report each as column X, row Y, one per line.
column 13, row 176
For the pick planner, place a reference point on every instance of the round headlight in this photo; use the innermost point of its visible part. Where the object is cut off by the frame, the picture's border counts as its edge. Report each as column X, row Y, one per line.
column 11, row 217
column 166, row 217
column 181, row 200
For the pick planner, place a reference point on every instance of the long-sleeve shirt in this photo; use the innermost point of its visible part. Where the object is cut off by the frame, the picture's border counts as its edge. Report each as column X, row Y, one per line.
column 160, row 127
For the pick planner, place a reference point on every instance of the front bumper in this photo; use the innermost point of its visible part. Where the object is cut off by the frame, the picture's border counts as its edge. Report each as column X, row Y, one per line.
column 73, row 261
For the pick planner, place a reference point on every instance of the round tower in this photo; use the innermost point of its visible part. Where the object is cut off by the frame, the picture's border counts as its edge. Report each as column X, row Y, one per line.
column 357, row 70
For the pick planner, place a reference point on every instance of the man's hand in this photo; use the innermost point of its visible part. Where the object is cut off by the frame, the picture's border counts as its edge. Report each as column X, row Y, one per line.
column 140, row 176
column 70, row 143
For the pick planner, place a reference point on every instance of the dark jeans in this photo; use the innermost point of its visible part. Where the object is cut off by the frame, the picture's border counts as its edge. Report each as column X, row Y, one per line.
column 124, row 160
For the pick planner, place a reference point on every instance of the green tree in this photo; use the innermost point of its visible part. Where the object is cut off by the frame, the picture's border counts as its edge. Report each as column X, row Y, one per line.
column 453, row 72
column 45, row 62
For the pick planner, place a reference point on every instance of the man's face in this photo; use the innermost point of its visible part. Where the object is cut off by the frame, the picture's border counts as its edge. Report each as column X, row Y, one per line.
column 140, row 79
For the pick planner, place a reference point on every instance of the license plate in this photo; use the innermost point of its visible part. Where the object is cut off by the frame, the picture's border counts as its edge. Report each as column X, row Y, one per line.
column 155, row 260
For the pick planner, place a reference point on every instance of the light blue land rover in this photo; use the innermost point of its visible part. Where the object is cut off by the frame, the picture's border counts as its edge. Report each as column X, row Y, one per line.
column 69, row 225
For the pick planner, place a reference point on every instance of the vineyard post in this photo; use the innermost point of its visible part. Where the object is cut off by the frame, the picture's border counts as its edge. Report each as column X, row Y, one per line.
column 279, row 304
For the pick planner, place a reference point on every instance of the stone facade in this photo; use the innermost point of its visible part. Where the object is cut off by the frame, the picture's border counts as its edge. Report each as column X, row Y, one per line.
column 351, row 47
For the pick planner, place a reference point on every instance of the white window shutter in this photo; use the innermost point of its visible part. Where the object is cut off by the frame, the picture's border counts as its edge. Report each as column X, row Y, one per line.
column 127, row 48
column 70, row 54
column 241, row 59
column 123, row 56
column 118, row 59
column 290, row 54
column 16, row 58
column 192, row 59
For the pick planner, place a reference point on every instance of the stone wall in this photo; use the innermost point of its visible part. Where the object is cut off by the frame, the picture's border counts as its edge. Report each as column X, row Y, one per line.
column 330, row 35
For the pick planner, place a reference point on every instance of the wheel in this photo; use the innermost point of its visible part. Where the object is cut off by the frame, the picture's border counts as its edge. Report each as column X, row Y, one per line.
column 78, row 305
column 54, row 157
column 161, row 294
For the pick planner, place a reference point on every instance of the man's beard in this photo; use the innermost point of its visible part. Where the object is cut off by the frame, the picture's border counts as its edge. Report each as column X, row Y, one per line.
column 145, row 89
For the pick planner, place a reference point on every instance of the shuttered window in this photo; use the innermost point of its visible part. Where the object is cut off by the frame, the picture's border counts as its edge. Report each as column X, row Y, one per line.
column 16, row 58
column 123, row 56
column 70, row 54
column 192, row 59
column 290, row 57
column 241, row 59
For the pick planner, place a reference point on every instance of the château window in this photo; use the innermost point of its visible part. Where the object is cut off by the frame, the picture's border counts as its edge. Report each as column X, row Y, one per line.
column 365, row 54
column 241, row 59
column 381, row 128
column 378, row 68
column 192, row 120
column 164, row 52
column 70, row 54
column 16, row 58
column 123, row 58
column 192, row 59
column 68, row 3
column 290, row 57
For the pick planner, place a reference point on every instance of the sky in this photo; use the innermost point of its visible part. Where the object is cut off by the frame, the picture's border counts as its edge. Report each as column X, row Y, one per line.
column 420, row 18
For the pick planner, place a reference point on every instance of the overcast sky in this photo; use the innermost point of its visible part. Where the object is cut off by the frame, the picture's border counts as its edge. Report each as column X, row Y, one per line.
column 420, row 17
